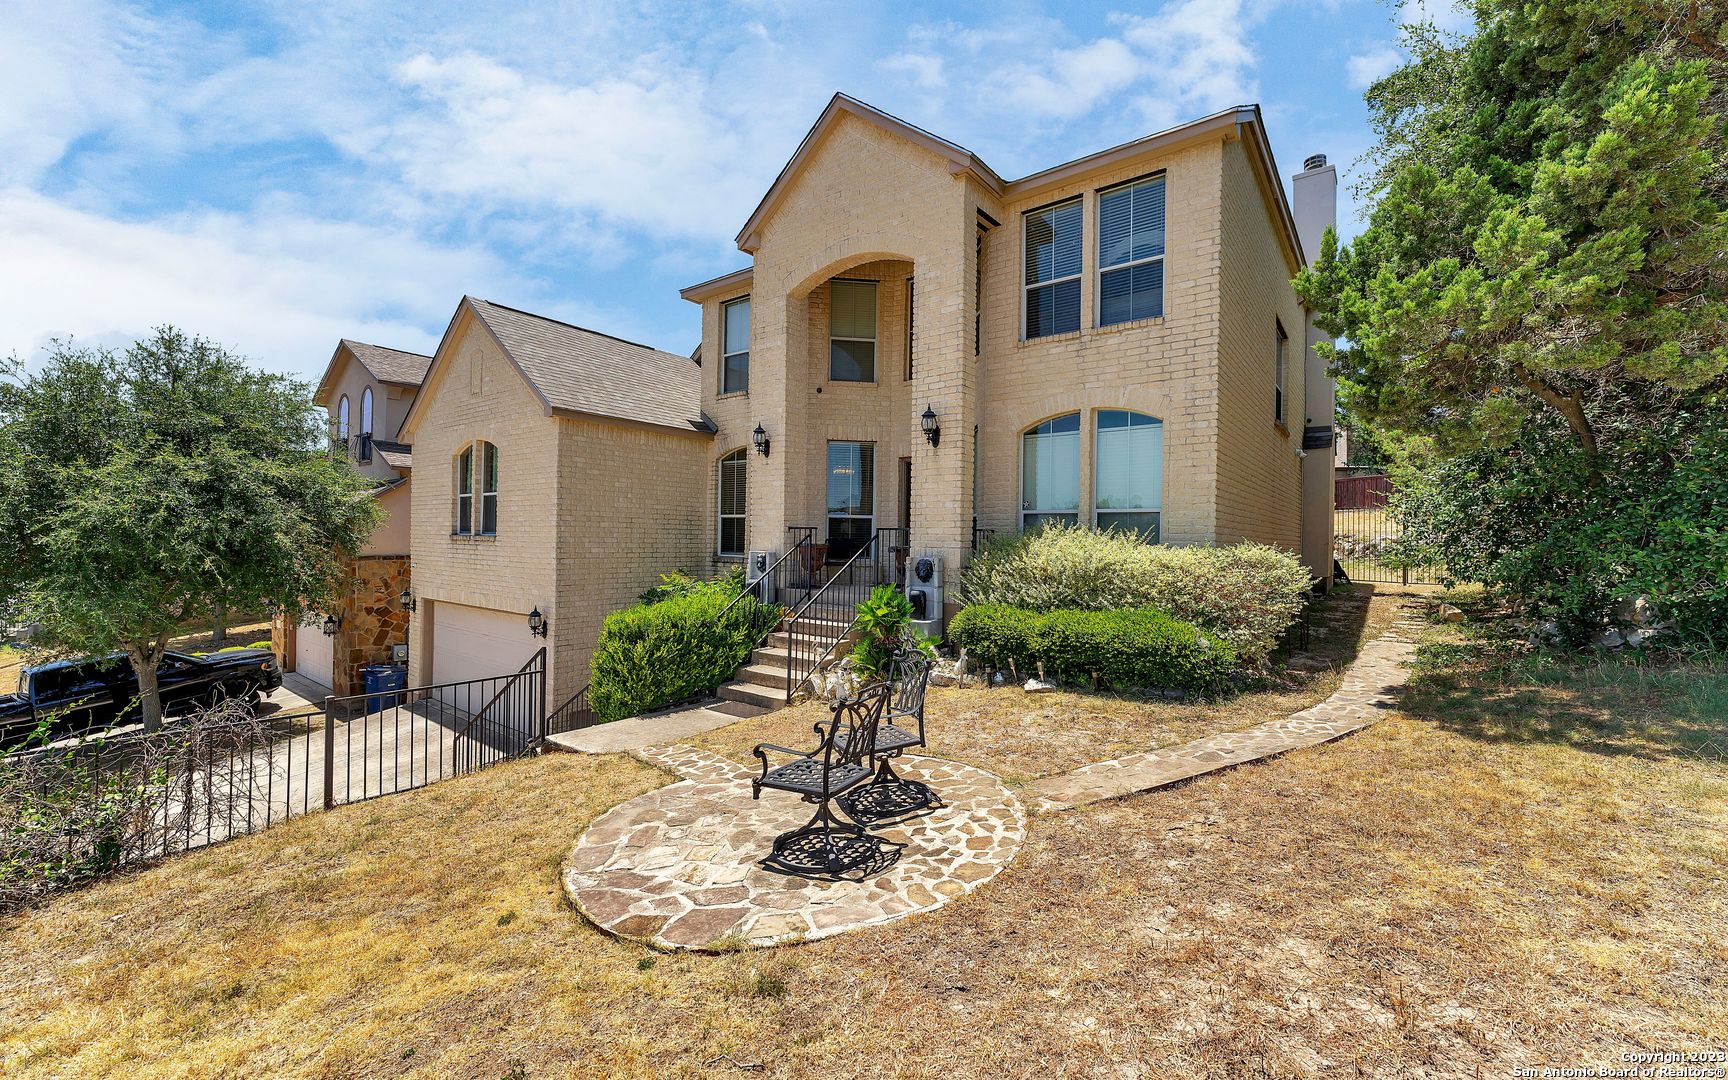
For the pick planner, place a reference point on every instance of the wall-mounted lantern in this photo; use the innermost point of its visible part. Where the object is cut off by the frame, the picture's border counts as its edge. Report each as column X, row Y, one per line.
column 408, row 601
column 759, row 439
column 536, row 623
column 331, row 625
column 932, row 429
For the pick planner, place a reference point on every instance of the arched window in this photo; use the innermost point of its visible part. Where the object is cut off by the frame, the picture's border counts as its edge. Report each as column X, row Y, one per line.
column 366, row 411
column 1050, row 472
column 732, row 503
column 342, row 418
column 1128, row 472
column 476, row 498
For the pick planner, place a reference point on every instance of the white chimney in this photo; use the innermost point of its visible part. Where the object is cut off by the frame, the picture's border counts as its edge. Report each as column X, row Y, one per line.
column 1314, row 193
column 1314, row 204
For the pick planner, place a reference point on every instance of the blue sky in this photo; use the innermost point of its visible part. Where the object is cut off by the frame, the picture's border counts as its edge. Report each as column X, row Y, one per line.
column 277, row 176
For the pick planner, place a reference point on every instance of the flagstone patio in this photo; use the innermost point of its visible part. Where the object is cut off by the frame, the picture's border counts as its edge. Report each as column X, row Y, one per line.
column 677, row 867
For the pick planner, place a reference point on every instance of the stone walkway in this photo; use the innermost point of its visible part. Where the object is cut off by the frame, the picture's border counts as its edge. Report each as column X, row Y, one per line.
column 678, row 867
column 638, row 732
column 1370, row 686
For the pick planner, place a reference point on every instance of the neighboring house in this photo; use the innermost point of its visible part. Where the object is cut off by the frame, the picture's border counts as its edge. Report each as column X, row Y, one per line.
column 558, row 471
column 367, row 390
column 1113, row 340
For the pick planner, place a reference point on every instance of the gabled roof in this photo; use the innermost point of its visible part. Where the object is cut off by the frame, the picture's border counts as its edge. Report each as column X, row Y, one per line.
column 393, row 366
column 1245, row 119
column 959, row 158
column 575, row 371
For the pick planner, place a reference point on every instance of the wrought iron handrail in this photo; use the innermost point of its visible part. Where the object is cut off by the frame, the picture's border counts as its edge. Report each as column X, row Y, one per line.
column 768, row 574
column 577, row 704
column 537, row 662
column 846, row 589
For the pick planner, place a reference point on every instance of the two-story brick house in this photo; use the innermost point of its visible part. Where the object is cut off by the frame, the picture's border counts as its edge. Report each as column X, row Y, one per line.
column 1113, row 340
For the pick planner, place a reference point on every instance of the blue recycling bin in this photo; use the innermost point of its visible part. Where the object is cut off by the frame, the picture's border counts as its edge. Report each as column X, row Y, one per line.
column 380, row 680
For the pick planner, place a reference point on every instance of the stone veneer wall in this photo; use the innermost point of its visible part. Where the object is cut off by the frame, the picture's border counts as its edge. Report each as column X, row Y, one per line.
column 373, row 622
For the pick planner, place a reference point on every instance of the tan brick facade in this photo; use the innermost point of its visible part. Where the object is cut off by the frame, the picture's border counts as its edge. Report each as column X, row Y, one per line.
column 589, row 510
column 865, row 199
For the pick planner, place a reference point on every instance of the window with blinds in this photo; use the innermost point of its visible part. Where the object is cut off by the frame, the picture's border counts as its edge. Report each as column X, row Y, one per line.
column 1053, row 269
column 1050, row 472
column 732, row 503
column 735, row 346
column 852, row 331
column 1128, row 472
column 1131, row 252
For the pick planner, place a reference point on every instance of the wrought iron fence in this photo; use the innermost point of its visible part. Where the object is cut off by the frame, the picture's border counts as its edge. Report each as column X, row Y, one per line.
column 1367, row 541
column 573, row 715
column 76, row 811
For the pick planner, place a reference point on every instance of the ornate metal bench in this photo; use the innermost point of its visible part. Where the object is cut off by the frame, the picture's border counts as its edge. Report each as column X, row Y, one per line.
column 902, row 728
column 826, row 844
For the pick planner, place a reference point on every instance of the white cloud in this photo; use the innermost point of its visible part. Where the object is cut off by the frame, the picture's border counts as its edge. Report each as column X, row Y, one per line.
column 277, row 287
column 631, row 151
column 1070, row 82
column 1365, row 69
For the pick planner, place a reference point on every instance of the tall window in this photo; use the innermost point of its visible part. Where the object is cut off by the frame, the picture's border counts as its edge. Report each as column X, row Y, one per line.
column 1050, row 472
column 852, row 331
column 732, row 503
column 1131, row 252
column 366, row 411
column 1053, row 269
column 1128, row 472
column 476, row 509
column 1280, row 361
column 464, row 512
column 342, row 419
column 735, row 346
column 851, row 497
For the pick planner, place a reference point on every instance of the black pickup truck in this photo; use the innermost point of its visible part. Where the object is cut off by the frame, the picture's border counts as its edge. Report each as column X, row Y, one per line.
column 93, row 694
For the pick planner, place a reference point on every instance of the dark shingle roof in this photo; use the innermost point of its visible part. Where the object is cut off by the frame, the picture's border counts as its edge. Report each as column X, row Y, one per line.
column 390, row 365
column 578, row 370
column 396, row 455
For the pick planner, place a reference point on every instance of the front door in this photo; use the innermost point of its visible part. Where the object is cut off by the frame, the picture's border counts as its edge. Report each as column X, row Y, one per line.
column 851, row 498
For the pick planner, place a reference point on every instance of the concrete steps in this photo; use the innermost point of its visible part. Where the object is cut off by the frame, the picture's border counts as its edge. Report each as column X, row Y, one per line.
column 761, row 683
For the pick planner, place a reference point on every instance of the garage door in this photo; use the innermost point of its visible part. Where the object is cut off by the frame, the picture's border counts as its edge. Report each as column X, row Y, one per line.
column 478, row 643
column 312, row 653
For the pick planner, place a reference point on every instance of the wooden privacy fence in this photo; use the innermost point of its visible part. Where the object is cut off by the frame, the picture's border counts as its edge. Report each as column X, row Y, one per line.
column 1361, row 492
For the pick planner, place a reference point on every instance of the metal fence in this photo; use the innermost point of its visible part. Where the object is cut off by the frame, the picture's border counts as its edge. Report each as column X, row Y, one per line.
column 1366, row 538
column 76, row 811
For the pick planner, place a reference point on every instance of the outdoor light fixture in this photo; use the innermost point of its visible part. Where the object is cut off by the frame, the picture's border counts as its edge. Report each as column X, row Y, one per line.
column 932, row 429
column 759, row 437
column 408, row 601
column 331, row 625
column 536, row 623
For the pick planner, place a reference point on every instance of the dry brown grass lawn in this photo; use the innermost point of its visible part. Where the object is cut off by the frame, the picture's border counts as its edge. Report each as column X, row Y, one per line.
column 1450, row 893
column 1020, row 736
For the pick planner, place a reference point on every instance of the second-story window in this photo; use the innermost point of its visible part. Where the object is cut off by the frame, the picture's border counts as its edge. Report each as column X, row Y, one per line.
column 1131, row 252
column 735, row 346
column 366, row 411
column 852, row 331
column 1053, row 269
column 1280, row 362
column 476, row 510
column 342, row 420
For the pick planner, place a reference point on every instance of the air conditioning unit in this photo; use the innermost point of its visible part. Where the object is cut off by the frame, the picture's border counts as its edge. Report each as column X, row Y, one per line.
column 756, row 566
column 925, row 589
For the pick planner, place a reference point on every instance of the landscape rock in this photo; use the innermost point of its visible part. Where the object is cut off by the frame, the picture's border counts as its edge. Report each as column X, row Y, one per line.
column 1611, row 638
column 1038, row 686
column 1449, row 613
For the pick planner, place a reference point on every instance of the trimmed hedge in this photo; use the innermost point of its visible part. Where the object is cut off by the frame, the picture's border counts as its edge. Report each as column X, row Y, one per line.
column 1248, row 594
column 1127, row 649
column 654, row 654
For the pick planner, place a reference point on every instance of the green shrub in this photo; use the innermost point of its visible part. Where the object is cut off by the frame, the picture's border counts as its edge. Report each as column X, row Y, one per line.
column 1124, row 649
column 1247, row 594
column 654, row 654
column 883, row 619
